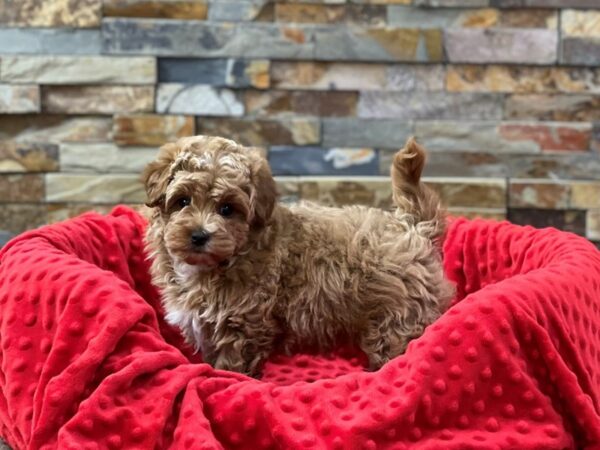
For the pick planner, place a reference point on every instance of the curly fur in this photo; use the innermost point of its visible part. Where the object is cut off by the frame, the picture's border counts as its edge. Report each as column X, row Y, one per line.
column 277, row 278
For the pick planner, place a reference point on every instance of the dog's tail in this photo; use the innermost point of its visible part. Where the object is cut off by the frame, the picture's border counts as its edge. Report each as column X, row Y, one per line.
column 410, row 195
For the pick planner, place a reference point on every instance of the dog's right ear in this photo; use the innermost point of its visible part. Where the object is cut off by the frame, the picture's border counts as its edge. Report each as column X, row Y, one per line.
column 156, row 175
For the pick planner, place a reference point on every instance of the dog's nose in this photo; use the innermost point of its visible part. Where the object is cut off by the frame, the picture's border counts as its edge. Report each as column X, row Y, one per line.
column 200, row 238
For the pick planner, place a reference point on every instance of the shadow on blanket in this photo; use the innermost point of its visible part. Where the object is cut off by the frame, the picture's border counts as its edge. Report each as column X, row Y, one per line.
column 88, row 362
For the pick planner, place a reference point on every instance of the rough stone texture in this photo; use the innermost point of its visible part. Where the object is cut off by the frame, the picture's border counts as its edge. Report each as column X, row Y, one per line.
column 215, row 72
column 241, row 11
column 538, row 194
column 5, row 236
column 470, row 192
column 165, row 9
column 546, row 3
column 21, row 188
column 339, row 192
column 581, row 37
column 328, row 76
column 55, row 128
column 124, row 188
column 374, row 15
column 348, row 132
column 593, row 224
column 585, row 194
column 478, row 213
column 28, row 157
column 51, row 41
column 97, row 99
column 553, row 107
column 57, row 212
column 19, row 98
column 104, row 158
column 519, row 79
column 55, row 13
column 410, row 78
column 501, row 45
column 77, row 70
column 378, row 44
column 309, row 103
column 575, row 23
column 262, row 132
column 595, row 145
column 585, row 52
column 567, row 220
column 429, row 105
column 319, row 161
column 18, row 217
column 151, row 129
column 198, row 99
column 195, row 38
column 405, row 16
column 451, row 3
column 513, row 137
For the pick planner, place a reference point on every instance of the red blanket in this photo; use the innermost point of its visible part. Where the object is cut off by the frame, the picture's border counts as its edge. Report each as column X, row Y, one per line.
column 88, row 362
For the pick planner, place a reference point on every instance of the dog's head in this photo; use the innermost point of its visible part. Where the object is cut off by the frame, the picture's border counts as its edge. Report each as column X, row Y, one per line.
column 211, row 194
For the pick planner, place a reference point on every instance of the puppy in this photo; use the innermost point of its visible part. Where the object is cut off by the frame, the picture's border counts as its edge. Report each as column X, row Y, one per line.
column 242, row 275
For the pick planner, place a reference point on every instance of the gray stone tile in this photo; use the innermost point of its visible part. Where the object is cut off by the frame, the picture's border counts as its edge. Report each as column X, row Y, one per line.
column 196, row 38
column 5, row 236
column 237, row 11
column 104, row 158
column 215, row 72
column 195, row 99
column 351, row 132
column 19, row 99
column 545, row 3
column 49, row 41
column 501, row 45
column 580, row 51
column 430, row 105
column 318, row 161
column 566, row 220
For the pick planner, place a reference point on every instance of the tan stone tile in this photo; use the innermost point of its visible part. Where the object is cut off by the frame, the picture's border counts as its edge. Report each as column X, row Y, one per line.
column 97, row 99
column 585, row 194
column 159, row 9
column 579, row 107
column 21, row 188
column 151, row 129
column 308, row 103
column 102, row 189
column 539, row 194
column 28, row 157
column 580, row 23
column 470, row 192
column 19, row 217
column 55, row 13
column 55, row 128
column 478, row 213
column 593, row 224
column 57, row 212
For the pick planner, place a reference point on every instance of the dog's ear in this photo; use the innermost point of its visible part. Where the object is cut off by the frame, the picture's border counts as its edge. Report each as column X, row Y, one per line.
column 156, row 175
column 264, row 195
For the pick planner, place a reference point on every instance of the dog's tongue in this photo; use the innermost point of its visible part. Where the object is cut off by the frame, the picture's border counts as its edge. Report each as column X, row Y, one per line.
column 202, row 259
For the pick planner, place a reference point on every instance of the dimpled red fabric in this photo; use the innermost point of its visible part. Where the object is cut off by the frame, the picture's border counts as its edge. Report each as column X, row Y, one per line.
column 87, row 361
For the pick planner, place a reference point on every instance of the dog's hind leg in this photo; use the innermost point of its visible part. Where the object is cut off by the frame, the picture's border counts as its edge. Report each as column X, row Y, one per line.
column 384, row 340
column 410, row 194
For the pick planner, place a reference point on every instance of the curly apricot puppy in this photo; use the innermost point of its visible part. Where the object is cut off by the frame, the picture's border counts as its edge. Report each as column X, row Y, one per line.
column 242, row 275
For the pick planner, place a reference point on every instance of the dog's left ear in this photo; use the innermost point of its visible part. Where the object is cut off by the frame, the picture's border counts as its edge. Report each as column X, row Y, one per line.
column 264, row 197
column 156, row 175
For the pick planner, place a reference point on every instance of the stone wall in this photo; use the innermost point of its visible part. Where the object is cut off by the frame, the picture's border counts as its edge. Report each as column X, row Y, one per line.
column 504, row 93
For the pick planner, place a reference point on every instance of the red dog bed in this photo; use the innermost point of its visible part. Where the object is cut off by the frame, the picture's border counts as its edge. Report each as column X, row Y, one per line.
column 88, row 362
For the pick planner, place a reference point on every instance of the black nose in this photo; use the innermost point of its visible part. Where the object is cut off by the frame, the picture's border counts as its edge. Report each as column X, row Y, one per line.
column 199, row 238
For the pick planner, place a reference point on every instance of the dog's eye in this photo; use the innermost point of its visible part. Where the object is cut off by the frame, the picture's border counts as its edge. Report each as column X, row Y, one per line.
column 226, row 209
column 182, row 202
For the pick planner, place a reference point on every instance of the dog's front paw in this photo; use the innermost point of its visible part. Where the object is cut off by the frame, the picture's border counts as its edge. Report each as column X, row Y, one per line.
column 252, row 368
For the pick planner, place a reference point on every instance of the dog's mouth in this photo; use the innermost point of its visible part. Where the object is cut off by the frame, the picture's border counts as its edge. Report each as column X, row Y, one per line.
column 207, row 260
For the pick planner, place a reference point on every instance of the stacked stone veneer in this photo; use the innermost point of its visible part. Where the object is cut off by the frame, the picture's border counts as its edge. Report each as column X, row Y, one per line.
column 504, row 93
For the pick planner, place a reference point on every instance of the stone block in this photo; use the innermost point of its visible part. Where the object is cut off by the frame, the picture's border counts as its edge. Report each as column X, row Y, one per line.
column 566, row 220
column 595, row 145
column 571, row 166
column 55, row 13
column 373, row 15
column 28, row 157
column 104, row 158
column 55, row 128
column 375, row 192
column 318, row 161
column 328, row 76
column 539, row 194
column 197, row 99
column 412, row 77
column 580, row 51
column 77, row 70
column 580, row 32
column 97, row 99
column 378, row 44
column 452, row 3
column 241, row 10
column 501, row 45
column 333, row 103
column 215, row 72
column 264, row 132
column 546, row 3
column 502, row 137
column 430, row 105
column 15, row 98
column 151, row 129
column 206, row 39
column 349, row 132
column 91, row 188
column 478, row 213
column 405, row 16
column 585, row 194
column 16, row 218
column 160, row 9
column 593, row 224
column 470, row 192
column 557, row 107
column 49, row 41
column 519, row 79
column 21, row 188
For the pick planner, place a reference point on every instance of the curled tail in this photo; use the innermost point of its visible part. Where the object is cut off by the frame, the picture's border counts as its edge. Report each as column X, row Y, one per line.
column 410, row 195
